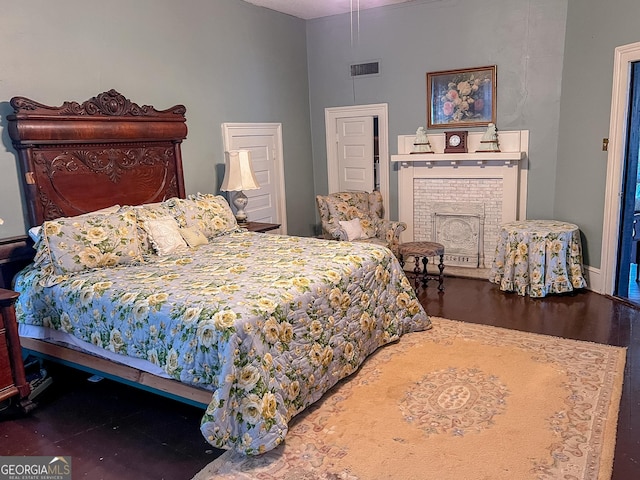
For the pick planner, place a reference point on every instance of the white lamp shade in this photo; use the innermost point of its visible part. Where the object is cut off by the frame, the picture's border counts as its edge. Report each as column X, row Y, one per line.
column 238, row 173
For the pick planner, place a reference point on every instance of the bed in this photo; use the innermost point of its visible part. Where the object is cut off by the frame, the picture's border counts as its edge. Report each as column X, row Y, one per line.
column 138, row 281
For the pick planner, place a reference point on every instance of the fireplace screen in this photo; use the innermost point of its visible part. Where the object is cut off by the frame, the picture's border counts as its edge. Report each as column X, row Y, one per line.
column 460, row 228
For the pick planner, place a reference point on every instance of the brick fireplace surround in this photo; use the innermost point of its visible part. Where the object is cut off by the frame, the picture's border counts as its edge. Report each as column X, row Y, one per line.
column 460, row 199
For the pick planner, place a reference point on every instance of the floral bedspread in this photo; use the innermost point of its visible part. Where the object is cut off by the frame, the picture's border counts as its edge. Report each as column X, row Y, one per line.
column 267, row 322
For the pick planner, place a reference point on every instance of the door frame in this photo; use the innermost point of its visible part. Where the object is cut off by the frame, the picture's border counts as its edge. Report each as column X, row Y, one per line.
column 230, row 130
column 380, row 110
column 624, row 56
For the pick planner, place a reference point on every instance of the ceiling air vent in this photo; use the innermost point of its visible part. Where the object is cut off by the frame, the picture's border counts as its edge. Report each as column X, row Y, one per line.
column 370, row 68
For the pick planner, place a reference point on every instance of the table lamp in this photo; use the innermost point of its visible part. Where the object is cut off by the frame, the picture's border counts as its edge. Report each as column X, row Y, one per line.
column 239, row 176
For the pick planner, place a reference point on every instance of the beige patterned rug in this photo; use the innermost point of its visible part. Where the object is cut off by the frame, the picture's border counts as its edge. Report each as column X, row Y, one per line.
column 460, row 401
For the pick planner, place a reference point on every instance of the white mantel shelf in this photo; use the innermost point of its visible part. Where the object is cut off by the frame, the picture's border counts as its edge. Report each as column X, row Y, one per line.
column 514, row 146
column 509, row 166
column 479, row 158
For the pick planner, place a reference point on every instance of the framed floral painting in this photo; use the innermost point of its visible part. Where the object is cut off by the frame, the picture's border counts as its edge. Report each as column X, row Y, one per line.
column 461, row 98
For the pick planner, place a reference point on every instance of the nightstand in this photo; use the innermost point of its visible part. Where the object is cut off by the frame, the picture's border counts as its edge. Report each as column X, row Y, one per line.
column 260, row 227
column 12, row 377
column 15, row 253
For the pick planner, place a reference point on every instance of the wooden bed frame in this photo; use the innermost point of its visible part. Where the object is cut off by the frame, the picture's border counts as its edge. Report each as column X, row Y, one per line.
column 81, row 157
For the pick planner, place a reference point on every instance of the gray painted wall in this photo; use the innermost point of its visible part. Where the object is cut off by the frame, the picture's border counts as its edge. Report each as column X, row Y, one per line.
column 524, row 38
column 225, row 60
column 594, row 29
column 229, row 61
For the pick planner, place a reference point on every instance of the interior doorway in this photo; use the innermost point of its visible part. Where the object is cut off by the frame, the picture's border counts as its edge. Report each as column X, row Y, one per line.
column 615, row 261
column 626, row 284
column 368, row 147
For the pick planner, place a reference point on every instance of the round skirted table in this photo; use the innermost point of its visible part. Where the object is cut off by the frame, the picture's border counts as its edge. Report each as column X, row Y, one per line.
column 538, row 257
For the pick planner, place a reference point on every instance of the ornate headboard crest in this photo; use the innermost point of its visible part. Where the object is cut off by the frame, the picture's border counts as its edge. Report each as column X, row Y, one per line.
column 109, row 103
column 81, row 157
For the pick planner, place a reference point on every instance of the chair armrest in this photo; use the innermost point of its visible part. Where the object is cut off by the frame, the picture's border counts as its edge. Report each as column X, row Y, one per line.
column 390, row 229
column 334, row 232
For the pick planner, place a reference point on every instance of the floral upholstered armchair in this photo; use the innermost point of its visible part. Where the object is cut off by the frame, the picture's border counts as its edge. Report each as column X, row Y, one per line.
column 358, row 217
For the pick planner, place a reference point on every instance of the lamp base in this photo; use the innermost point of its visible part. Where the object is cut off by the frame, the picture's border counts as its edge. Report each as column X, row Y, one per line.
column 240, row 201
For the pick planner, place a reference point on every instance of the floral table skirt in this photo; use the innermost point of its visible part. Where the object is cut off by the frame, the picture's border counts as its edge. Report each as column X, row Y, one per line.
column 538, row 257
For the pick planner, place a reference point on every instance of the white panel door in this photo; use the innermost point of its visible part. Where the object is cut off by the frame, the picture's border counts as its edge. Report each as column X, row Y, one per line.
column 355, row 154
column 267, row 204
column 332, row 116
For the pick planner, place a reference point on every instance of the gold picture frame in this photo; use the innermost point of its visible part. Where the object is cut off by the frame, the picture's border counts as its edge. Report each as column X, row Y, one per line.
column 461, row 98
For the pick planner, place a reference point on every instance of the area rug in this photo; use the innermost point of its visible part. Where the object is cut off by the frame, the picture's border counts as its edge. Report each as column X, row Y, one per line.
column 459, row 401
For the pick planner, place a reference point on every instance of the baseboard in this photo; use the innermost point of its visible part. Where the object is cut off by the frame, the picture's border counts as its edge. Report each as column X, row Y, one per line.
column 594, row 279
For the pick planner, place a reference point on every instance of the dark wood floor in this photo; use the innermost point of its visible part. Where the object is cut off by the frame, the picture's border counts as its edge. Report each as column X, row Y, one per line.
column 116, row 432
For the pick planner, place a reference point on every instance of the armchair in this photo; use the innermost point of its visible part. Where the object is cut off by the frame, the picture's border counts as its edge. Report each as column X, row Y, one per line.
column 358, row 217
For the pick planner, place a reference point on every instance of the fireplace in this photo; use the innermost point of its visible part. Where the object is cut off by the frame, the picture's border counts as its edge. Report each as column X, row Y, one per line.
column 460, row 200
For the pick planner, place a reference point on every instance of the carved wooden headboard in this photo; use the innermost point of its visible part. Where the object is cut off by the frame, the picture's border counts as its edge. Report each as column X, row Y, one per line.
column 78, row 158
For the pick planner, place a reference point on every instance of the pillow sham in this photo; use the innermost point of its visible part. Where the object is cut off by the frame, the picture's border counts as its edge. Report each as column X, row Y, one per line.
column 90, row 241
column 211, row 214
column 164, row 234
column 36, row 232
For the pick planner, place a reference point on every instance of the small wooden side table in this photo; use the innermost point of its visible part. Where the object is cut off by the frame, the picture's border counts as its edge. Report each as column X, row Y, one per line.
column 260, row 227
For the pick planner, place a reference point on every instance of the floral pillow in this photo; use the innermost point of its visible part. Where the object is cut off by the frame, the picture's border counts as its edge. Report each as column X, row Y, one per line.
column 208, row 213
column 90, row 241
column 35, row 232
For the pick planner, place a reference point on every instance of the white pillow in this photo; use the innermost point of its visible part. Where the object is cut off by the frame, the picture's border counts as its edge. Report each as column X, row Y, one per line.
column 164, row 234
column 353, row 229
column 35, row 233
